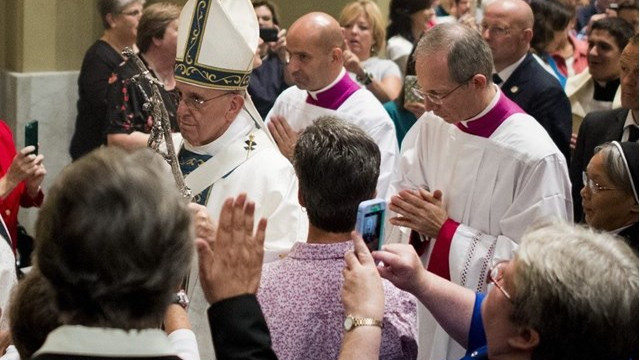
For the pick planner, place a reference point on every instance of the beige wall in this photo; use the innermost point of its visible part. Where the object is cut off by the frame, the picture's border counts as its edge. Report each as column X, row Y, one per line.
column 52, row 35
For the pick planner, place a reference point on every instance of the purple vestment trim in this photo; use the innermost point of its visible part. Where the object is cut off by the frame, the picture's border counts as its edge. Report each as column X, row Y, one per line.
column 336, row 95
column 485, row 125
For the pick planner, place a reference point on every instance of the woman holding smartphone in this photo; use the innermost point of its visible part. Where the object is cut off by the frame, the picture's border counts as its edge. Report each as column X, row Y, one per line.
column 271, row 78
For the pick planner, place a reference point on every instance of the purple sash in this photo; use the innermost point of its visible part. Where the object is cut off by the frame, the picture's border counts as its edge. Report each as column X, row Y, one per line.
column 335, row 96
column 489, row 122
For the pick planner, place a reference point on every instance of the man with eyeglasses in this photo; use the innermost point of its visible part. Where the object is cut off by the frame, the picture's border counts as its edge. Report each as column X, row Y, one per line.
column 568, row 293
column 323, row 88
column 475, row 171
column 226, row 150
column 507, row 27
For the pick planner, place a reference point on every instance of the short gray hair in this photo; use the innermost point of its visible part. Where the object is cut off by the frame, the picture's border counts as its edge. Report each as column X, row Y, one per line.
column 114, row 239
column 338, row 166
column 467, row 53
column 579, row 290
column 113, row 7
column 615, row 168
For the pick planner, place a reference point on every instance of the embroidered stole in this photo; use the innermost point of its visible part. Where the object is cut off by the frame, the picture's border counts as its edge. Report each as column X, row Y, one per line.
column 203, row 171
column 190, row 161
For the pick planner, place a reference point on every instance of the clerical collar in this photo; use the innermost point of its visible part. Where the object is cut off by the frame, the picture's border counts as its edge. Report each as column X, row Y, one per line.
column 508, row 71
column 238, row 128
column 606, row 91
column 489, row 119
column 335, row 94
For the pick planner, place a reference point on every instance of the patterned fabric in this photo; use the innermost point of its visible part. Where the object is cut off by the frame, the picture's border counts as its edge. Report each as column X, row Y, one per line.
column 301, row 300
column 126, row 110
column 189, row 161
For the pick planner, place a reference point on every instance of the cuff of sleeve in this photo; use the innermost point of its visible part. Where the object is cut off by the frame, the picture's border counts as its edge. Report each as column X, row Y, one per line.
column 439, row 260
column 238, row 327
column 37, row 201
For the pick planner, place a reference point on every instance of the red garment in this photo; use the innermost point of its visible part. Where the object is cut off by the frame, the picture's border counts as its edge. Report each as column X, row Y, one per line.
column 18, row 196
column 580, row 50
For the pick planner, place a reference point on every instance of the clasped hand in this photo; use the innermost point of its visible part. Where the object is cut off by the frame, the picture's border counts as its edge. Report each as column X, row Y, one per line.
column 419, row 210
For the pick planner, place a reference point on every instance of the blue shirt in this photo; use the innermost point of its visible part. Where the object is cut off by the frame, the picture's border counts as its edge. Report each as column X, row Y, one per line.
column 477, row 343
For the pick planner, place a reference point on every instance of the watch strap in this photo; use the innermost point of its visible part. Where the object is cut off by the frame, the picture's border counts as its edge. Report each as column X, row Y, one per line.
column 351, row 322
column 367, row 79
column 367, row 322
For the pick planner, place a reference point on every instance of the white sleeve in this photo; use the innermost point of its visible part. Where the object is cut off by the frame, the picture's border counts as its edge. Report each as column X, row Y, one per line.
column 184, row 344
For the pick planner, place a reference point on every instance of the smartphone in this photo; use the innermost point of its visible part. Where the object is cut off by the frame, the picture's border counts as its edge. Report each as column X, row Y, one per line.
column 410, row 82
column 31, row 135
column 269, row 34
column 370, row 222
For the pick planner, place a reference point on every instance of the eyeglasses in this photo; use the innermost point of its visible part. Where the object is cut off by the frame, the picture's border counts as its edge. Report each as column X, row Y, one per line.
column 494, row 30
column 593, row 186
column 136, row 13
column 194, row 102
column 435, row 99
column 496, row 273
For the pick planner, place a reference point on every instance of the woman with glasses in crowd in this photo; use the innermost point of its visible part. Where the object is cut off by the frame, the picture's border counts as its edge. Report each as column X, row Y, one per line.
column 120, row 20
column 610, row 192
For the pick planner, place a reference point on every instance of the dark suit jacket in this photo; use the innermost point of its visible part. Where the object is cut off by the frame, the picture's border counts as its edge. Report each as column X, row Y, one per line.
column 597, row 127
column 239, row 330
column 540, row 94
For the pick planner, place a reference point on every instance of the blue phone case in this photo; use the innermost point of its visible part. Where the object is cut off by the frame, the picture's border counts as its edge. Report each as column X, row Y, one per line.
column 370, row 222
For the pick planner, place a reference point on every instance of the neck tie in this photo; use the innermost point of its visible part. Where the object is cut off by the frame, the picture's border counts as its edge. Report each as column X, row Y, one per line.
column 497, row 79
column 633, row 133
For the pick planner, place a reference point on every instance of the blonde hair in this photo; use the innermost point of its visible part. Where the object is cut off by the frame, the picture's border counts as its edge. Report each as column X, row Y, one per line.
column 371, row 12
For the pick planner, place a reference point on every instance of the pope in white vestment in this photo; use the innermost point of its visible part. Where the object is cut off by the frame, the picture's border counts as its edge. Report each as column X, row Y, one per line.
column 498, row 172
column 224, row 150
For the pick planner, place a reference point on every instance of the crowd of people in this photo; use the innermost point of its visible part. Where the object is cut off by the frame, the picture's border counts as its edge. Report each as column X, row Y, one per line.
column 502, row 136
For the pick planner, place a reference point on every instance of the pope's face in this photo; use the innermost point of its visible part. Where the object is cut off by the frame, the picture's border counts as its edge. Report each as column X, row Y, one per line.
column 203, row 114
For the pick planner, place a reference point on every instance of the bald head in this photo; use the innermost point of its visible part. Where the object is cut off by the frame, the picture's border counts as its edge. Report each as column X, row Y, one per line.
column 321, row 30
column 314, row 44
column 508, row 29
column 517, row 12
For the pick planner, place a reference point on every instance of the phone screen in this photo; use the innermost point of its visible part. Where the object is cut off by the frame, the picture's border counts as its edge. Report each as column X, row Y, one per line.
column 370, row 222
column 31, row 135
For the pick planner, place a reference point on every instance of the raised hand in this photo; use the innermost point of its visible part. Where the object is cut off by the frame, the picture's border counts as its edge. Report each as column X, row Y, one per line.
column 231, row 265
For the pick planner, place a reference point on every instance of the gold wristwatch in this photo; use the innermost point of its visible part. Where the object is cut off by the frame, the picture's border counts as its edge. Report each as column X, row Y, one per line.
column 351, row 322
